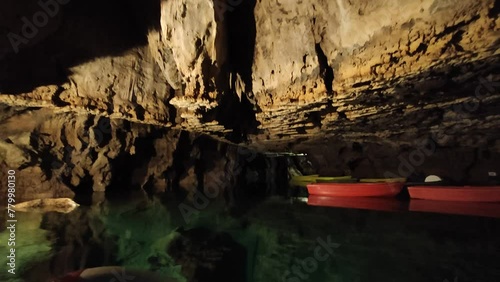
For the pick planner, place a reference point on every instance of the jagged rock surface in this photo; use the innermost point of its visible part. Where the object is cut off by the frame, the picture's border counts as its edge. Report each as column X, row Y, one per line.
column 292, row 69
column 59, row 154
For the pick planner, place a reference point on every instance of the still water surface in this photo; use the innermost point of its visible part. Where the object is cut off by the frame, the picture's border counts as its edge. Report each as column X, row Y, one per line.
column 283, row 240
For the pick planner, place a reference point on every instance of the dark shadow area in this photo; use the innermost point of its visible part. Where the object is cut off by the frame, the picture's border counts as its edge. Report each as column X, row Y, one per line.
column 126, row 168
column 209, row 256
column 84, row 191
column 495, row 10
column 178, row 169
column 88, row 29
column 241, row 33
column 326, row 71
column 236, row 115
column 235, row 45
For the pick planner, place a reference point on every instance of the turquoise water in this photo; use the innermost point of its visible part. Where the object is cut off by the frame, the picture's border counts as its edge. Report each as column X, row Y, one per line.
column 284, row 241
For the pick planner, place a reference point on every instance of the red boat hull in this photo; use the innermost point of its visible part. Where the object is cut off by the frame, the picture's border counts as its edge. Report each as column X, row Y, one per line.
column 355, row 189
column 456, row 193
column 364, row 203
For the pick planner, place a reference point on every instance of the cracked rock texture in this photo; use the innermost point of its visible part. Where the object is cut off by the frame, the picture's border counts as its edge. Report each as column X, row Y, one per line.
column 289, row 69
column 269, row 74
column 60, row 154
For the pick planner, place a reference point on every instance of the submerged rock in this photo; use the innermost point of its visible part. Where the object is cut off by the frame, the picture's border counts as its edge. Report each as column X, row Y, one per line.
column 63, row 205
column 113, row 273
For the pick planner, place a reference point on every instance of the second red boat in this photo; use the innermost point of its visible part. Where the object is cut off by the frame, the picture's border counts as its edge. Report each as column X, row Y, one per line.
column 456, row 193
column 355, row 189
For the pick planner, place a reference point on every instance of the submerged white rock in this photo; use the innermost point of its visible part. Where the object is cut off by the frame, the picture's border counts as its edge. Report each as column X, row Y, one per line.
column 62, row 205
column 112, row 273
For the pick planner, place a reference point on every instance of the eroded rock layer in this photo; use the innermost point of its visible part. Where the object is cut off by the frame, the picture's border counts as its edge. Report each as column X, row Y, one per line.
column 286, row 69
column 58, row 155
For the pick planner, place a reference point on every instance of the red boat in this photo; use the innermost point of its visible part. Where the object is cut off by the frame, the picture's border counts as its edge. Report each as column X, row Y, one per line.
column 364, row 203
column 456, row 193
column 389, row 189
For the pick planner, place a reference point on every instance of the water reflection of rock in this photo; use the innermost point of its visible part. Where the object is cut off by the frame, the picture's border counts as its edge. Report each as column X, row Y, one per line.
column 142, row 233
column 265, row 242
column 79, row 239
column 123, row 231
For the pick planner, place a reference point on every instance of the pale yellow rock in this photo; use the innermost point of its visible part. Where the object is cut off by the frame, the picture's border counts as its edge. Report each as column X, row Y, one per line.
column 61, row 205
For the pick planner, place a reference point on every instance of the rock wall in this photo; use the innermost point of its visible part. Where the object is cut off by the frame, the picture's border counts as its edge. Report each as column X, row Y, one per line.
column 60, row 154
column 290, row 69
column 413, row 160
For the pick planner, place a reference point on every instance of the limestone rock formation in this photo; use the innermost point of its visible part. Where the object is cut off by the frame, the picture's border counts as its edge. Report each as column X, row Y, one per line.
column 59, row 154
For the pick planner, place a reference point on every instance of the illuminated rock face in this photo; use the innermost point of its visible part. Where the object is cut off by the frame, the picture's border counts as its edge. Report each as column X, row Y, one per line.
column 63, row 154
column 266, row 73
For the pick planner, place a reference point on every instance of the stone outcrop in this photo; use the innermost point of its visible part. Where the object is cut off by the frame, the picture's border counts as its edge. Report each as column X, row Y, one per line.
column 59, row 154
column 291, row 69
column 390, row 62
